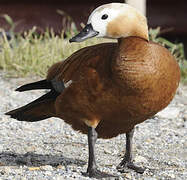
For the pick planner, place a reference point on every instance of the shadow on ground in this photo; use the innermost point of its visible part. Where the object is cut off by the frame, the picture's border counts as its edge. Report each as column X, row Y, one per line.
column 32, row 159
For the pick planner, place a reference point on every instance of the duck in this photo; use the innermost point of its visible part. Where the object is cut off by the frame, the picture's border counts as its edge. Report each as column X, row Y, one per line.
column 105, row 90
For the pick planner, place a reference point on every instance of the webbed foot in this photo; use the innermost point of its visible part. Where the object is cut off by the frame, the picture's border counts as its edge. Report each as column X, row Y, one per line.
column 95, row 173
column 129, row 164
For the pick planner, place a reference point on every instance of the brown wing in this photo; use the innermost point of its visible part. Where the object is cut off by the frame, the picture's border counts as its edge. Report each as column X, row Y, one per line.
column 74, row 66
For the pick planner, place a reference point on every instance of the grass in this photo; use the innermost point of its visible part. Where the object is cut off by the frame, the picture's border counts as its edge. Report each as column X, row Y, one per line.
column 32, row 54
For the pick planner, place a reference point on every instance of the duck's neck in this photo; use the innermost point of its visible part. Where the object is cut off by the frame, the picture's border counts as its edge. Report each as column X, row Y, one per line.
column 130, row 46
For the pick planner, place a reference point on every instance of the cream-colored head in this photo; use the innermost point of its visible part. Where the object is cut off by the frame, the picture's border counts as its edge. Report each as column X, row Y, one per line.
column 116, row 20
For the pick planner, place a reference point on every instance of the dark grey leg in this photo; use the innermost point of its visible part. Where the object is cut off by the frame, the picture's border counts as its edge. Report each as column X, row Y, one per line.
column 92, row 167
column 127, row 160
column 92, row 138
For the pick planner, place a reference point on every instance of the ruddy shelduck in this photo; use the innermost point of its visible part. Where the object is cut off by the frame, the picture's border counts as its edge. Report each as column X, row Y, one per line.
column 106, row 89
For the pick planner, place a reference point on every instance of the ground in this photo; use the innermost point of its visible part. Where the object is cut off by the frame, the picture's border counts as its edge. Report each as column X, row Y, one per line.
column 50, row 149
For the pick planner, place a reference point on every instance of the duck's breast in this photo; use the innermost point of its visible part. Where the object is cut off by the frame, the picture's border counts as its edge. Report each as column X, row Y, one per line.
column 148, row 75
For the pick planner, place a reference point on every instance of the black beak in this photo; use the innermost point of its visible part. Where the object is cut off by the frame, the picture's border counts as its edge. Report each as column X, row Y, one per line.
column 86, row 33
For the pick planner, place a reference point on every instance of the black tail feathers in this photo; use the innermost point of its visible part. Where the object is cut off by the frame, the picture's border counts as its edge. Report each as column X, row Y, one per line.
column 43, row 84
column 37, row 110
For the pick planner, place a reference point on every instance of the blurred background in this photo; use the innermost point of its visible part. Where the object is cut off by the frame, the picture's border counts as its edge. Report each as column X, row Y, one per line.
column 170, row 15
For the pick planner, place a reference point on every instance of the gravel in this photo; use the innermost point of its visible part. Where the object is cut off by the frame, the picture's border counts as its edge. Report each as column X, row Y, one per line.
column 50, row 149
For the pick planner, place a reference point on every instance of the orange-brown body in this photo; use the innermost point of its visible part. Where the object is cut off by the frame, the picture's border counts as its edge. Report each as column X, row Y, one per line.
column 115, row 85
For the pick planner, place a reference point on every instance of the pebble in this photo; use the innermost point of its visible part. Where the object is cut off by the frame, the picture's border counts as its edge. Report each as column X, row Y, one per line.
column 149, row 178
column 34, row 168
column 185, row 117
column 169, row 113
column 46, row 168
column 61, row 167
column 128, row 176
column 138, row 159
column 6, row 170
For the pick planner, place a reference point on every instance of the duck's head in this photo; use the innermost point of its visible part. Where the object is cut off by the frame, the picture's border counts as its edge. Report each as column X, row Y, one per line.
column 114, row 20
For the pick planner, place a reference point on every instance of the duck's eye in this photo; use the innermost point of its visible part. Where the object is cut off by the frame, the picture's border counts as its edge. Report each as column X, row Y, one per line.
column 104, row 16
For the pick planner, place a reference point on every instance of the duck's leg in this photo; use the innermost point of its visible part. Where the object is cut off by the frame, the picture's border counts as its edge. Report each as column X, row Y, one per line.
column 127, row 160
column 92, row 170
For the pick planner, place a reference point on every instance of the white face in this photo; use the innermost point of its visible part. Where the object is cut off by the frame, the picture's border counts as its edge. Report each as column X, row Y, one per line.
column 102, row 15
column 100, row 20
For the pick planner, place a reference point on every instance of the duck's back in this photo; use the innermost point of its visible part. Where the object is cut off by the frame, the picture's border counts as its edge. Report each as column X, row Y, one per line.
column 96, row 56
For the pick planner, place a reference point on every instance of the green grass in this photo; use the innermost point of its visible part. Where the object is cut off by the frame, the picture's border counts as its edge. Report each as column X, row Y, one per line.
column 32, row 54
